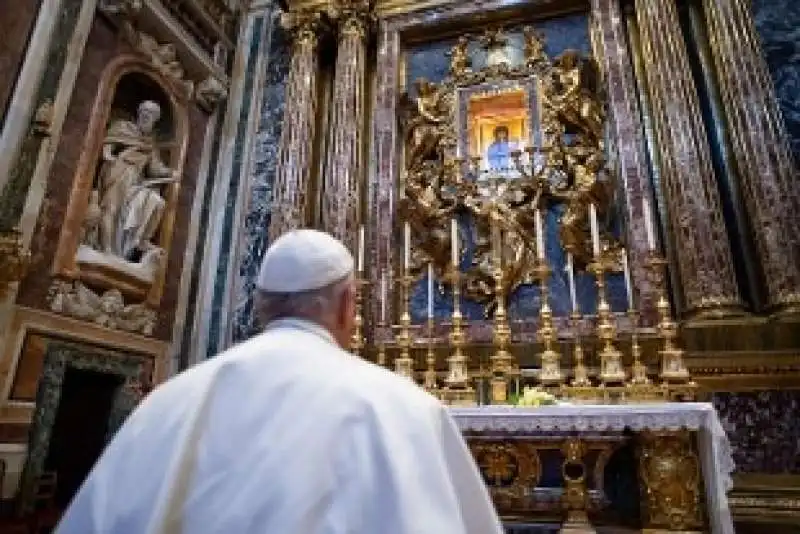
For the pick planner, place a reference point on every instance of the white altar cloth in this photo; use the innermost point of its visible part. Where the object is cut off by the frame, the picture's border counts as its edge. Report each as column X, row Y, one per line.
column 714, row 448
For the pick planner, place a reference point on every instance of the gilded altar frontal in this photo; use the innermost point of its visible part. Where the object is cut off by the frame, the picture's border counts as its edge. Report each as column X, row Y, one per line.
column 576, row 223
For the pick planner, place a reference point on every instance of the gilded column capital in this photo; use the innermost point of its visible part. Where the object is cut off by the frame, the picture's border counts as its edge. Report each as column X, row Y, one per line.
column 305, row 26
column 352, row 17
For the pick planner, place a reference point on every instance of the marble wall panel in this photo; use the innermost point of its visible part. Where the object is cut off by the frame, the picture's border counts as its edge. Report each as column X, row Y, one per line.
column 13, row 195
column 763, row 428
column 215, row 343
column 265, row 158
column 778, row 24
column 103, row 45
column 16, row 25
column 430, row 61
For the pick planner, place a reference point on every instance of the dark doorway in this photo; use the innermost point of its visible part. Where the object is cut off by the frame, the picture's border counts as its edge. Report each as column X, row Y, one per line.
column 79, row 430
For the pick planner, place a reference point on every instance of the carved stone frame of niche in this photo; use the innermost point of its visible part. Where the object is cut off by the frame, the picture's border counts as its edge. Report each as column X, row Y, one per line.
column 60, row 356
column 65, row 263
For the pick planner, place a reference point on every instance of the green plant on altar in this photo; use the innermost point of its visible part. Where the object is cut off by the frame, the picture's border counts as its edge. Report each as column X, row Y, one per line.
column 533, row 396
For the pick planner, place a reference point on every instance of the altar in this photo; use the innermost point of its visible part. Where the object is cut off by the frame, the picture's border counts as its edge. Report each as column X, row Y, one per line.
column 558, row 464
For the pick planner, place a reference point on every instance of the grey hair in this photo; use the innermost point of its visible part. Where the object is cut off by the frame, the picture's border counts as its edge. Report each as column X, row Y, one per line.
column 314, row 305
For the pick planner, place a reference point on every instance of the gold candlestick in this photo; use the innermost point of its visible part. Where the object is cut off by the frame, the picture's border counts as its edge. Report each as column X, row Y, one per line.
column 673, row 369
column 357, row 339
column 457, row 388
column 580, row 375
column 638, row 368
column 580, row 388
column 430, row 377
column 381, row 358
column 404, row 364
column 550, row 373
column 611, row 369
column 501, row 362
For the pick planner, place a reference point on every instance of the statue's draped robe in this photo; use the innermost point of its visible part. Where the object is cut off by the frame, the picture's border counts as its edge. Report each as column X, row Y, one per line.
column 124, row 186
column 285, row 434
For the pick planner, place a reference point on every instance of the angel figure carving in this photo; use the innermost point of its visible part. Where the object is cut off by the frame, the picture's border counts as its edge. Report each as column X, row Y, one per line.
column 460, row 61
column 130, row 180
column 425, row 119
column 572, row 93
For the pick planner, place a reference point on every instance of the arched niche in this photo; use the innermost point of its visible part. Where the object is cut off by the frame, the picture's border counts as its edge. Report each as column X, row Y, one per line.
column 120, row 219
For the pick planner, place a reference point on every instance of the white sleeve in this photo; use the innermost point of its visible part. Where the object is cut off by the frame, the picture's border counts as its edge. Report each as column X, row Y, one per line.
column 477, row 509
column 400, row 479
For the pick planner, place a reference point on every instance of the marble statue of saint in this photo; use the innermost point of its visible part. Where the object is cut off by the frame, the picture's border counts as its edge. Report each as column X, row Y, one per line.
column 130, row 178
column 499, row 152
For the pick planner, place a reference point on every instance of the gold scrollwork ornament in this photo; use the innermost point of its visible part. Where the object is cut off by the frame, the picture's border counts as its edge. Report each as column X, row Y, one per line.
column 14, row 259
column 670, row 473
column 440, row 183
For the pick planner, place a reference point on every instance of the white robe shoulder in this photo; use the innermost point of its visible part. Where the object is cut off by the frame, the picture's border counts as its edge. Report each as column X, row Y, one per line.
column 288, row 434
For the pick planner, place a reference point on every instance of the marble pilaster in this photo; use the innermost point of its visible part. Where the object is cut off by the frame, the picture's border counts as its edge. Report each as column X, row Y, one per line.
column 705, row 261
column 384, row 166
column 610, row 46
column 341, row 197
column 762, row 151
column 295, row 150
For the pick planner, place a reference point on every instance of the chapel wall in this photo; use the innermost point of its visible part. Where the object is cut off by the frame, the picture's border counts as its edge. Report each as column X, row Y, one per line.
column 67, row 302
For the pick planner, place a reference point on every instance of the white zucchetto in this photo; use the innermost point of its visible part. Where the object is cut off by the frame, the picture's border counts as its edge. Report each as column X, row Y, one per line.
column 303, row 260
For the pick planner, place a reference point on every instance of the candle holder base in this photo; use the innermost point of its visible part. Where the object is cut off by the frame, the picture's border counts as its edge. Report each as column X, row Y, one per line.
column 645, row 393
column 458, row 396
column 577, row 523
column 404, row 366
column 499, row 390
column 580, row 394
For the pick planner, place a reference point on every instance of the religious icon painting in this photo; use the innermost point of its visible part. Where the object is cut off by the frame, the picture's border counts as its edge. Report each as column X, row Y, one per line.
column 498, row 122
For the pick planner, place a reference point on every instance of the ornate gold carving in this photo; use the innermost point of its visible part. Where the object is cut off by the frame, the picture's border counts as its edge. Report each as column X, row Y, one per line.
column 303, row 25
column 460, row 62
column 209, row 93
column 440, row 180
column 670, row 472
column 109, row 309
column 511, row 469
column 575, row 499
column 352, row 16
column 43, row 119
column 14, row 259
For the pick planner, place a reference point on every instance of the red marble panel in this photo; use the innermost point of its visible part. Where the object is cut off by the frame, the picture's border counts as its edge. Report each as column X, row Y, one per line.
column 16, row 23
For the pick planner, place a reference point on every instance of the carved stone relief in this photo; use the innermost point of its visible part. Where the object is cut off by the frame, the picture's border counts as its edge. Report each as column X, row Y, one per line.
column 209, row 93
column 163, row 57
column 108, row 309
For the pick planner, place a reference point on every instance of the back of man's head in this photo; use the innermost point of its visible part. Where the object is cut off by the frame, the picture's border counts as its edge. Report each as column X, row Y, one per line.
column 307, row 274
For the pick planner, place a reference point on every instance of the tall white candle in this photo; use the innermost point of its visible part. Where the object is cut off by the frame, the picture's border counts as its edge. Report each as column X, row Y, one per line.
column 454, row 242
column 361, row 249
column 573, row 299
column 383, row 297
column 430, row 291
column 406, row 246
column 595, row 231
column 627, row 273
column 648, row 224
column 538, row 227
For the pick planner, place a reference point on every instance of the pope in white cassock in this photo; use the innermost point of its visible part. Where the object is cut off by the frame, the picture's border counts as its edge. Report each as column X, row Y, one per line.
column 287, row 433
